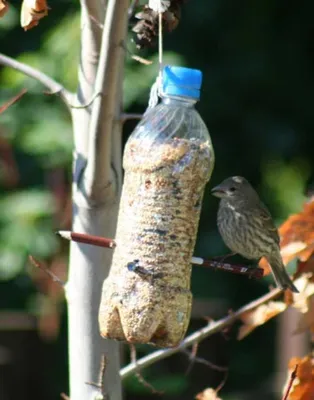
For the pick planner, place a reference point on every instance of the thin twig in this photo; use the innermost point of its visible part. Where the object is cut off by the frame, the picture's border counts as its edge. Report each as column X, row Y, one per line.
column 102, row 369
column 135, row 57
column 200, row 360
column 94, row 384
column 223, row 382
column 292, row 378
column 127, row 116
column 198, row 336
column 192, row 356
column 85, row 105
column 100, row 384
column 139, row 375
column 44, row 79
column 12, row 101
column 80, row 105
column 224, row 332
column 41, row 266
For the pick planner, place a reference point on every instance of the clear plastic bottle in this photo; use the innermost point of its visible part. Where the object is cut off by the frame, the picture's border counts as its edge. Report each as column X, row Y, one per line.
column 168, row 160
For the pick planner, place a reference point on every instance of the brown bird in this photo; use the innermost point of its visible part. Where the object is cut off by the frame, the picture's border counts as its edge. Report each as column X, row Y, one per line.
column 246, row 227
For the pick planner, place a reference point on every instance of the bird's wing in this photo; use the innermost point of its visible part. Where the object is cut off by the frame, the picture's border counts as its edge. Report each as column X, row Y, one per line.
column 268, row 222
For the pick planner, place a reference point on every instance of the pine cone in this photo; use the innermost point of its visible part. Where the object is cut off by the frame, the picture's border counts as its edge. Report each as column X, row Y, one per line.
column 146, row 28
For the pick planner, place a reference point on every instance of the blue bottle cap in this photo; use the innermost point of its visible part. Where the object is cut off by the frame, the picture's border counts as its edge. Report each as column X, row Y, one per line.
column 180, row 81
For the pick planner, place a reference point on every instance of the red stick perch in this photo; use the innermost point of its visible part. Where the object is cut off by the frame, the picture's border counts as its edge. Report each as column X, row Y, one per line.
column 252, row 272
column 88, row 239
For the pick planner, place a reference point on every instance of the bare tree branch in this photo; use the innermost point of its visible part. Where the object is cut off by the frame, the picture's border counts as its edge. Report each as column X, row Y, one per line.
column 86, row 105
column 91, row 42
column 49, row 83
column 212, row 328
column 89, row 57
column 99, row 180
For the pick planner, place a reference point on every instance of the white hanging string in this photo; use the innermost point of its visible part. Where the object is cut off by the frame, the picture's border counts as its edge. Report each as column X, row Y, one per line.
column 160, row 6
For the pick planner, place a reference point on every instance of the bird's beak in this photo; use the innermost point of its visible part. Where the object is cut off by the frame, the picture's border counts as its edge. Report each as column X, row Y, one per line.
column 218, row 191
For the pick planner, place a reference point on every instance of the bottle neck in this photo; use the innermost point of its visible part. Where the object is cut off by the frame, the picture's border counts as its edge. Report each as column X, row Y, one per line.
column 179, row 101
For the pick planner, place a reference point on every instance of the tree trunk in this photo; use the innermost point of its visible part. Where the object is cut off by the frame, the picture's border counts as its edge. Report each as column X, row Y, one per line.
column 96, row 190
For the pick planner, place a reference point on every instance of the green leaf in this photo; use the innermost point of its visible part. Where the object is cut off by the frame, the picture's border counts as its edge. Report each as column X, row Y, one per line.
column 286, row 183
column 50, row 136
column 27, row 205
column 11, row 263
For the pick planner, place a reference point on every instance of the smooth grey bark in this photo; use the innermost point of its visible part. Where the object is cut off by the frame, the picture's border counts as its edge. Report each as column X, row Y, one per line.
column 96, row 189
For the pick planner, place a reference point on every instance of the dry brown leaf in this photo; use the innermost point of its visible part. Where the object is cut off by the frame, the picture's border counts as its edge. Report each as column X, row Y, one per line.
column 306, row 289
column 208, row 394
column 4, row 7
column 296, row 249
column 263, row 313
column 297, row 237
column 297, row 234
column 31, row 12
column 303, row 386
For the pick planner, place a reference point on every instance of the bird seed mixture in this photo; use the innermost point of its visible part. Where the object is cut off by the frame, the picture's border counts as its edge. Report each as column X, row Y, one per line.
column 147, row 298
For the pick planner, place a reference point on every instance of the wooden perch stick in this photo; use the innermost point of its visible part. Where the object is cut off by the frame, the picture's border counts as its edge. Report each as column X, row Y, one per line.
column 252, row 272
column 256, row 273
column 88, row 239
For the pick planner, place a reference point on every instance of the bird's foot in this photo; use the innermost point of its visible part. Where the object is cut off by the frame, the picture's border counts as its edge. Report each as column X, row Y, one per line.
column 221, row 259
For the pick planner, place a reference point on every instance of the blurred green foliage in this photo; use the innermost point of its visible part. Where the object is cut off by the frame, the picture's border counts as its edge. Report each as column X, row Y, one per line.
column 257, row 99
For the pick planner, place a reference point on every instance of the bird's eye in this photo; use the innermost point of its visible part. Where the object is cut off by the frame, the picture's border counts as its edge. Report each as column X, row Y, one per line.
column 232, row 189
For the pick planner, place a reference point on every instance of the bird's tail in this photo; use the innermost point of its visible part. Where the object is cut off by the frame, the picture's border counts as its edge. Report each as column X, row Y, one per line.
column 280, row 274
